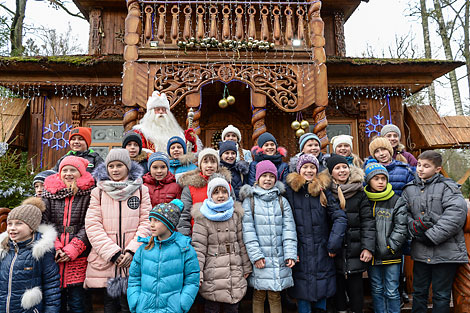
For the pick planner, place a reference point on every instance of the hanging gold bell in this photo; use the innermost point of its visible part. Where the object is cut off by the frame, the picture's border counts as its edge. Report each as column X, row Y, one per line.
column 304, row 124
column 223, row 103
column 299, row 132
column 295, row 125
column 230, row 100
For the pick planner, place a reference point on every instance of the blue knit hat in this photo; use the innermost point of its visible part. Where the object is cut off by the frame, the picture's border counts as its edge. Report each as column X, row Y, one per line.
column 265, row 137
column 306, row 137
column 159, row 156
column 175, row 139
column 227, row 146
column 168, row 213
column 374, row 168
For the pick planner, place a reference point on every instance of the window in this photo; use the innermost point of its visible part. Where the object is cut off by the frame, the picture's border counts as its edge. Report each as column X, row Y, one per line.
column 105, row 135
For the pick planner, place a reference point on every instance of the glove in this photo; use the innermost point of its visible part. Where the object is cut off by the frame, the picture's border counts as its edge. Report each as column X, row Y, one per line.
column 190, row 136
column 418, row 227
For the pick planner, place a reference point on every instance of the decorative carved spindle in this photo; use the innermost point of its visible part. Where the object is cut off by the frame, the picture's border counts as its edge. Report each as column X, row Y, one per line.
column 239, row 23
column 277, row 25
column 187, row 22
column 264, row 23
column 200, row 22
column 289, row 28
column 300, row 26
column 192, row 101
column 251, row 23
column 213, row 11
column 148, row 23
column 132, row 31
column 161, row 30
column 226, row 22
column 259, row 113
column 339, row 34
column 175, row 12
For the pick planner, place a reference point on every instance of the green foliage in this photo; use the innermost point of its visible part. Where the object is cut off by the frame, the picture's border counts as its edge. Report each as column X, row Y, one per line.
column 466, row 188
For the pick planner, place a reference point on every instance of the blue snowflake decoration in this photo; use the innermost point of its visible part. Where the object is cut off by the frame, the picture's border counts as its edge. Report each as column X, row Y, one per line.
column 54, row 142
column 373, row 128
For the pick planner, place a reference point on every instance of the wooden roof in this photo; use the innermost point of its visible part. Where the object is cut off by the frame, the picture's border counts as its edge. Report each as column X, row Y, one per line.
column 10, row 114
column 459, row 127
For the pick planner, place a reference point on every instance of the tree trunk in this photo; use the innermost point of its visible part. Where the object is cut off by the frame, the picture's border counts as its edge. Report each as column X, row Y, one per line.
column 448, row 53
column 466, row 42
column 16, row 33
column 427, row 47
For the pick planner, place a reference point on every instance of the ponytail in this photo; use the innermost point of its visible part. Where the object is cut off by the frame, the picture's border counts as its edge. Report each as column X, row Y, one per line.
column 151, row 243
column 342, row 201
column 240, row 152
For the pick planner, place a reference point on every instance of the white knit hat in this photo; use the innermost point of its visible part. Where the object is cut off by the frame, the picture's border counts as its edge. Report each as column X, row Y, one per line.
column 207, row 151
column 337, row 140
column 231, row 129
column 158, row 100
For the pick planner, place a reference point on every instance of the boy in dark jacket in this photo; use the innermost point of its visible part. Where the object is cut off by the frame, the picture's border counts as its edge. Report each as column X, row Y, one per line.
column 390, row 224
column 436, row 216
column 238, row 169
column 132, row 142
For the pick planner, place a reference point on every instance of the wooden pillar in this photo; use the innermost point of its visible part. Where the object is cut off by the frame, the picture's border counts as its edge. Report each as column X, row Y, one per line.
column 192, row 101
column 461, row 287
column 258, row 105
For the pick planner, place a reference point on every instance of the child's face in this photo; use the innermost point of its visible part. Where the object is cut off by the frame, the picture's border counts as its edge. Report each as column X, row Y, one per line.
column 78, row 144
column 219, row 195
column 117, row 171
column 426, row 169
column 231, row 136
column 341, row 173
column 378, row 183
column 383, row 156
column 308, row 171
column 393, row 138
column 229, row 156
column 133, row 148
column 343, row 149
column 267, row 181
column 208, row 166
column 18, row 230
column 269, row 148
column 159, row 229
column 38, row 189
column 176, row 151
column 312, row 147
column 69, row 175
column 158, row 170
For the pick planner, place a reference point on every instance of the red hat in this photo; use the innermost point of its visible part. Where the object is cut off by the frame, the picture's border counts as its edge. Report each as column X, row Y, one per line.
column 79, row 163
column 85, row 132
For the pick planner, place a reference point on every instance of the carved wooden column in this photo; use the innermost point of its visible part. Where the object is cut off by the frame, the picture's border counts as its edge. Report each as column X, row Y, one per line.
column 192, row 101
column 340, row 45
column 461, row 287
column 258, row 102
column 96, row 32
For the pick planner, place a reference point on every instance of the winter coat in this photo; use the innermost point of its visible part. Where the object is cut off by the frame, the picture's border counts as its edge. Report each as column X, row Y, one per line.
column 67, row 212
column 360, row 233
column 282, row 167
column 239, row 171
column 182, row 165
column 399, row 175
column 389, row 212
column 142, row 159
column 93, row 157
column 29, row 276
column 320, row 230
column 113, row 227
column 222, row 256
column 194, row 191
column 321, row 161
column 269, row 233
column 400, row 149
column 440, row 199
column 165, row 278
column 162, row 191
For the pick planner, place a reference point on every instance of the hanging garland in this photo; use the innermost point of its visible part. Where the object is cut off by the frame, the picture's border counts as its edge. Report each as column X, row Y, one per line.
column 235, row 45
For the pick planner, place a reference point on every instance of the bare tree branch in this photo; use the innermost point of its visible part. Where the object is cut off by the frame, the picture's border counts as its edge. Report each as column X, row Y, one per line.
column 62, row 6
column 7, row 9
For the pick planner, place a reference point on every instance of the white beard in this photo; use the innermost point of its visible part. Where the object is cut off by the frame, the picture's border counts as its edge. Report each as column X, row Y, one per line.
column 159, row 128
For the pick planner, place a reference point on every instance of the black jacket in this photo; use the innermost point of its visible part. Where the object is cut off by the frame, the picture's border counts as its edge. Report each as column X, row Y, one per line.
column 91, row 156
column 239, row 171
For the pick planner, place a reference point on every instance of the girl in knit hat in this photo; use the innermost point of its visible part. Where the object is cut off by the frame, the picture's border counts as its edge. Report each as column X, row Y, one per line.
column 267, row 149
column 321, row 225
column 29, row 276
column 117, row 216
column 132, row 142
column 67, row 197
column 233, row 134
column 164, row 275
column 223, row 275
column 238, row 169
column 270, row 237
column 160, row 181
column 343, row 145
column 194, row 185
column 309, row 143
column 393, row 134
column 181, row 161
column 346, row 184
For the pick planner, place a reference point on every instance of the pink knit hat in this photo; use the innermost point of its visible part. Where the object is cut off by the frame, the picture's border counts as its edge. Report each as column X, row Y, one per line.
column 265, row 167
column 80, row 164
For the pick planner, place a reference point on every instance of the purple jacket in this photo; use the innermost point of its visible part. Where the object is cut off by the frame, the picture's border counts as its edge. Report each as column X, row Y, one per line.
column 408, row 156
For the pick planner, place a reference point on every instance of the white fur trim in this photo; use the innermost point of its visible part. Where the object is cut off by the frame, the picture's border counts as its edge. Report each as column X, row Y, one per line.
column 3, row 252
column 46, row 242
column 231, row 129
column 337, row 140
column 158, row 100
column 31, row 298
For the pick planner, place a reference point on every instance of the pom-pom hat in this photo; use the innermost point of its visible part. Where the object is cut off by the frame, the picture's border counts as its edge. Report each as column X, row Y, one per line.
column 30, row 212
column 168, row 213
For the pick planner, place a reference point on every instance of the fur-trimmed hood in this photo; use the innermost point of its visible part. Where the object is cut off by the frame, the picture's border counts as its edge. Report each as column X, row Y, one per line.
column 241, row 166
column 101, row 172
column 247, row 191
column 256, row 150
column 53, row 183
column 196, row 210
column 319, row 183
column 195, row 179
column 187, row 159
column 141, row 157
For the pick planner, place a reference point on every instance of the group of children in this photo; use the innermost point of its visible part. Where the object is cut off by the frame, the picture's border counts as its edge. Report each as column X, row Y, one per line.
column 155, row 231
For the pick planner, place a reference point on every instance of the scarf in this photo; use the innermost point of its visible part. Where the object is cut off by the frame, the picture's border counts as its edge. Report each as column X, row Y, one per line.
column 175, row 163
column 276, row 158
column 217, row 212
column 121, row 190
column 350, row 159
column 380, row 196
column 348, row 190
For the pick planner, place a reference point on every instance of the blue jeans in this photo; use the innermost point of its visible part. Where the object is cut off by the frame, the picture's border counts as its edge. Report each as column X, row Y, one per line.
column 305, row 306
column 384, row 282
column 73, row 299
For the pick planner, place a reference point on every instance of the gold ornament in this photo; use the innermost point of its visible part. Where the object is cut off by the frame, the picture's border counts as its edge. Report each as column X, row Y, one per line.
column 223, row 103
column 230, row 100
column 295, row 125
column 299, row 132
column 304, row 124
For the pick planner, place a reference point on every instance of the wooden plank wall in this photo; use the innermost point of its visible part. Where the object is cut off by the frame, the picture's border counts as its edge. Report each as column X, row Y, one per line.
column 113, row 24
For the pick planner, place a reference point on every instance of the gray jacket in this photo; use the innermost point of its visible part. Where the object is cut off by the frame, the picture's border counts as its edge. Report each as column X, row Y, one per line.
column 440, row 199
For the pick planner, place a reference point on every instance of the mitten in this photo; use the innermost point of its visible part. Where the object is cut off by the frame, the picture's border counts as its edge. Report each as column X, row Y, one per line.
column 191, row 137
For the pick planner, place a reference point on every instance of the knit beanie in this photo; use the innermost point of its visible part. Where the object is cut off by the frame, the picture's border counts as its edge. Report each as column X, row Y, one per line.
column 205, row 152
column 175, row 139
column 215, row 182
column 337, row 140
column 231, row 129
column 159, row 156
column 168, row 213
column 380, row 142
column 227, row 146
column 373, row 168
column 158, row 100
column 390, row 128
column 306, row 158
column 334, row 160
column 132, row 136
column 79, row 163
column 30, row 212
column 265, row 137
column 85, row 132
column 119, row 154
column 306, row 137
column 265, row 167
column 40, row 177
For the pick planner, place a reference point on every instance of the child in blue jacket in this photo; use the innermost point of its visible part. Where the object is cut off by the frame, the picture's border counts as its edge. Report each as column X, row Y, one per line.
column 164, row 274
